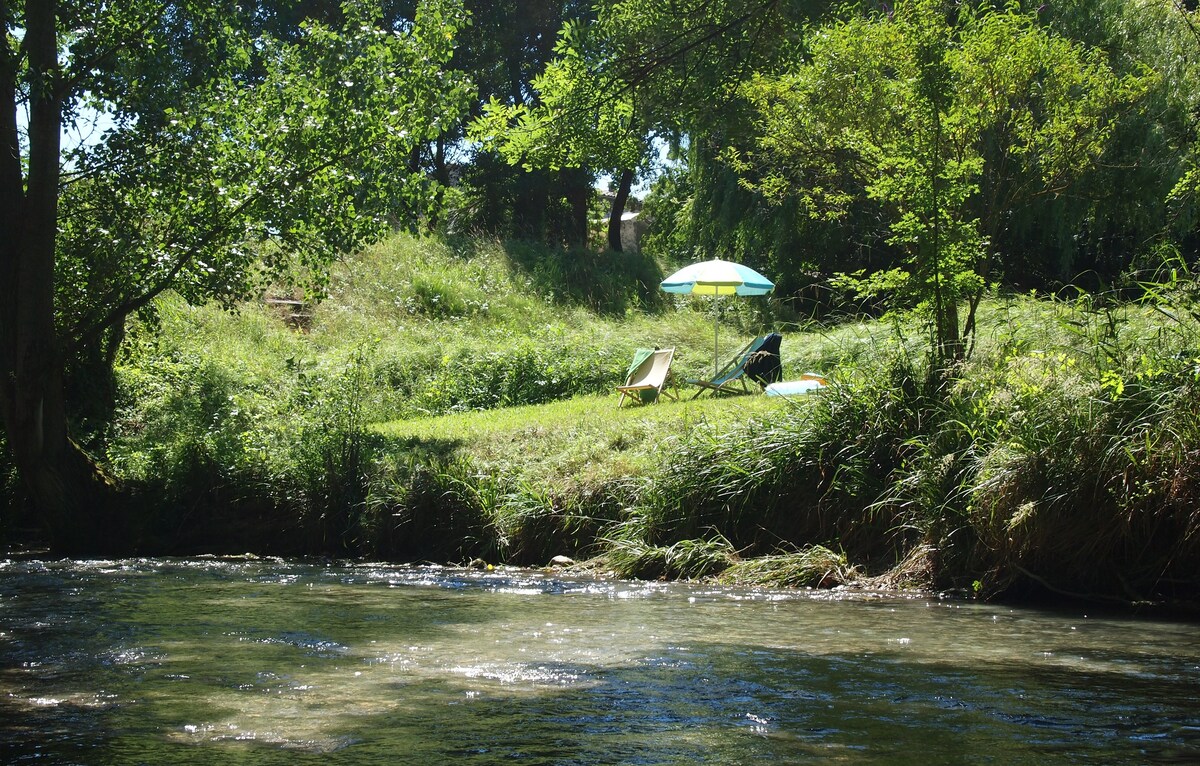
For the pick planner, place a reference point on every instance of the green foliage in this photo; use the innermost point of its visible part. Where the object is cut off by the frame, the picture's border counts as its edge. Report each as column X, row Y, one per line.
column 505, row 48
column 523, row 371
column 11, row 512
column 1138, row 198
column 806, row 475
column 428, row 510
column 1091, row 445
column 703, row 210
column 946, row 123
column 925, row 152
column 284, row 155
column 608, row 283
column 533, row 522
column 476, row 325
column 579, row 119
column 331, row 450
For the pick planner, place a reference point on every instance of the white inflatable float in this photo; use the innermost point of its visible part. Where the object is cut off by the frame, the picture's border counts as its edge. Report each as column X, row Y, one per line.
column 806, row 384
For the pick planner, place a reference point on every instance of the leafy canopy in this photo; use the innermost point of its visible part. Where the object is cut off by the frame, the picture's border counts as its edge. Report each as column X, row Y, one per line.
column 580, row 118
column 236, row 158
column 941, row 115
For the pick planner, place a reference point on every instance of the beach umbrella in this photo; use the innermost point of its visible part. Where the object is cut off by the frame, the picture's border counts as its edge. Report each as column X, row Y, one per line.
column 717, row 278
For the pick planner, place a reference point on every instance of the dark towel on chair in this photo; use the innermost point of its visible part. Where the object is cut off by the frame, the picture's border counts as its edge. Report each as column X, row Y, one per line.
column 764, row 365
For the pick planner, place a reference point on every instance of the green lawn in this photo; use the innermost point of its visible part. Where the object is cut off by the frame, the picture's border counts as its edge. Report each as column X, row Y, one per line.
column 576, row 441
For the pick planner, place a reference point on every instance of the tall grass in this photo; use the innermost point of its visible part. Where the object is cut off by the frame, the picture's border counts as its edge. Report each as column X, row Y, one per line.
column 814, row 567
column 242, row 413
column 811, row 473
column 686, row 559
column 1062, row 457
column 1092, row 464
column 448, row 403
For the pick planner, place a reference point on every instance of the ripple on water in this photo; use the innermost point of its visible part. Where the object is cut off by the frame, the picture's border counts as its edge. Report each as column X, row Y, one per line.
column 206, row 733
column 313, row 646
column 525, row 674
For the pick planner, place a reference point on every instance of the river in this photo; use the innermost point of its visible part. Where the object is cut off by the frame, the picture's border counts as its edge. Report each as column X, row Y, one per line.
column 257, row 662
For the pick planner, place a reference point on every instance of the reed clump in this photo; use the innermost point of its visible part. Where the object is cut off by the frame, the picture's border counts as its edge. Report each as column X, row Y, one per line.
column 814, row 567
column 687, row 559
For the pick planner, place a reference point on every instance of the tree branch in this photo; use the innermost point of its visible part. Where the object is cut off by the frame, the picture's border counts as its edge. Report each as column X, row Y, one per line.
column 82, row 68
column 87, row 332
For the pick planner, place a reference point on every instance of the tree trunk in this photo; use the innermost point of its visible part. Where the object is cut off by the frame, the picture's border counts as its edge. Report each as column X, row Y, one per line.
column 532, row 189
column 11, row 202
column 441, row 174
column 69, row 492
column 948, row 344
column 618, row 210
column 578, row 191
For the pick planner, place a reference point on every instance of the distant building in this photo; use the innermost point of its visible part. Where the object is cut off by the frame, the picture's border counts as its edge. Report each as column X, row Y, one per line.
column 633, row 223
column 633, row 227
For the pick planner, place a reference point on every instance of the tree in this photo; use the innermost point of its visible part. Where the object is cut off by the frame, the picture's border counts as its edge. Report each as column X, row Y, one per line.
column 577, row 121
column 686, row 61
column 641, row 70
column 507, row 45
column 946, row 116
column 233, row 160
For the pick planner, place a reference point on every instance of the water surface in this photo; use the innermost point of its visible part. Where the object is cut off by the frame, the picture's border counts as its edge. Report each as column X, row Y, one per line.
column 257, row 662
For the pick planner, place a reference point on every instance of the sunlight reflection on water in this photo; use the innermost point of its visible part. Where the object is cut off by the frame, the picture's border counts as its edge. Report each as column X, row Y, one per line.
column 269, row 661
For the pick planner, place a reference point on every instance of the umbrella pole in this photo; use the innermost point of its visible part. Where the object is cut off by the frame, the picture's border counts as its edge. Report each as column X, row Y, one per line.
column 716, row 333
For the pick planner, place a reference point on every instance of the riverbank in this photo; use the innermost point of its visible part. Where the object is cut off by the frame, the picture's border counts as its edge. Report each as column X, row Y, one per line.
column 886, row 478
column 449, row 404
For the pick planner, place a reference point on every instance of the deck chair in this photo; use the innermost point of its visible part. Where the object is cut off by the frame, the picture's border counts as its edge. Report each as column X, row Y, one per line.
column 759, row 361
column 648, row 376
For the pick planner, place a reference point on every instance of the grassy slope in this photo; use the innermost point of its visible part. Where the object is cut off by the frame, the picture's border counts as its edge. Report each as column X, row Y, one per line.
column 454, row 401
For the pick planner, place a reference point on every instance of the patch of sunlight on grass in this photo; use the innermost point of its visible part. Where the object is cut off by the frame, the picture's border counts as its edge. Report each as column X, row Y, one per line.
column 586, row 437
